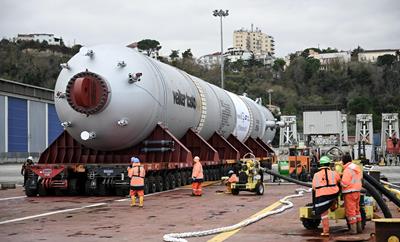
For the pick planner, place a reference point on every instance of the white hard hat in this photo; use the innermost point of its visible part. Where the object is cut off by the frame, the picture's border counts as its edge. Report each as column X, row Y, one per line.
column 196, row 158
column 230, row 172
column 30, row 158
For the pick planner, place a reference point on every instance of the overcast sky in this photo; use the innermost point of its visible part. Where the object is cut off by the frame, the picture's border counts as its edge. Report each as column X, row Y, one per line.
column 183, row 24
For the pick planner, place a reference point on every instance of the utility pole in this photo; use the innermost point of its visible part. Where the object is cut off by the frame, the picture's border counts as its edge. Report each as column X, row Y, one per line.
column 270, row 91
column 221, row 13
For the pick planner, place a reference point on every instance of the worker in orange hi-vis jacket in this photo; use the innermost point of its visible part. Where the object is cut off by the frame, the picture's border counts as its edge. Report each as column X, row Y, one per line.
column 351, row 190
column 325, row 185
column 137, row 174
column 232, row 178
column 197, row 177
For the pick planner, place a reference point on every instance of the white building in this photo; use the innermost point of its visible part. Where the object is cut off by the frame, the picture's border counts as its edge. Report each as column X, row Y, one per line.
column 210, row 60
column 254, row 41
column 49, row 38
column 372, row 55
column 327, row 59
column 234, row 54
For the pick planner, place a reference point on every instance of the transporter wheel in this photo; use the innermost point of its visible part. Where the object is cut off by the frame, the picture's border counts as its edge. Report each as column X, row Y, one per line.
column 172, row 180
column 42, row 190
column 219, row 174
column 146, row 188
column 260, row 188
column 205, row 174
column 152, row 184
column 212, row 175
column 88, row 189
column 72, row 186
column 102, row 189
column 183, row 178
column 187, row 177
column 160, row 184
column 311, row 224
column 178, row 179
column 215, row 174
column 29, row 191
column 167, row 183
column 235, row 191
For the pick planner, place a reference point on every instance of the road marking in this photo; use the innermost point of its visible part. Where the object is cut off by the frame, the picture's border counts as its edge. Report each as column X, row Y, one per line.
column 80, row 208
column 51, row 213
column 148, row 195
column 10, row 198
column 223, row 236
column 204, row 184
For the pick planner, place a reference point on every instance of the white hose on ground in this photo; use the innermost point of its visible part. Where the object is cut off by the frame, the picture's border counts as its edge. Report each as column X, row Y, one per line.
column 389, row 184
column 179, row 237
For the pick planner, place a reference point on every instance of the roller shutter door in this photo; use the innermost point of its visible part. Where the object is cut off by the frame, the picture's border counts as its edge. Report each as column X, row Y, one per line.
column 17, row 125
column 54, row 126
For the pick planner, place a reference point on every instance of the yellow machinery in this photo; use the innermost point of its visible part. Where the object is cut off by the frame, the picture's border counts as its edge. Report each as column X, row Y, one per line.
column 367, row 204
column 311, row 221
column 250, row 176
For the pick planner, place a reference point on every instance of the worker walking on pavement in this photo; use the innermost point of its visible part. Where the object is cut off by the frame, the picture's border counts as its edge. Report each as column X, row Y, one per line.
column 325, row 185
column 232, row 179
column 351, row 188
column 137, row 173
column 197, row 177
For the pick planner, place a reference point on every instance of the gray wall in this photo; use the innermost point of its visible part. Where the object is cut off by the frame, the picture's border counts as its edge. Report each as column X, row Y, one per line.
column 2, row 124
column 37, row 126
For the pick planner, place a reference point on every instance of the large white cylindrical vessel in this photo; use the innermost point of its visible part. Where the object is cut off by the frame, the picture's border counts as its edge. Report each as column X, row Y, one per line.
column 111, row 97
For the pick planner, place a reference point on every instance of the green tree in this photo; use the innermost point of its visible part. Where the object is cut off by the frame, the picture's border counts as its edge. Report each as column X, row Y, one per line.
column 174, row 54
column 149, row 46
column 359, row 105
column 385, row 60
column 279, row 64
column 355, row 52
column 187, row 54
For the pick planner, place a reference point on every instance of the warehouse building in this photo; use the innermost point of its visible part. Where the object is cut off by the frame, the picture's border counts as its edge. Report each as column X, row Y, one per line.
column 28, row 120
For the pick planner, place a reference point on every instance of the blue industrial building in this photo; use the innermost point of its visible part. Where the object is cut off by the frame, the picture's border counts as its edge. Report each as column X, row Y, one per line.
column 28, row 120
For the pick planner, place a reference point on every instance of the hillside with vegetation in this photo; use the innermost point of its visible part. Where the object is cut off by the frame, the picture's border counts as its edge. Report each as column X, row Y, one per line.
column 354, row 87
column 32, row 62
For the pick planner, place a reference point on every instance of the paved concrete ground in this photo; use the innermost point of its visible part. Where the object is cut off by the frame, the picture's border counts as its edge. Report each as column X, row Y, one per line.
column 111, row 219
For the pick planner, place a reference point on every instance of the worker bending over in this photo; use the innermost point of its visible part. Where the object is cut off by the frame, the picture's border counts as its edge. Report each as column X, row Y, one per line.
column 232, row 178
column 197, row 177
column 325, row 185
column 351, row 187
column 137, row 173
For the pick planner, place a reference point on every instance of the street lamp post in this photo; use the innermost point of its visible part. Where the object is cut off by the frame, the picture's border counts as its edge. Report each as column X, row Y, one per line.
column 221, row 13
column 270, row 91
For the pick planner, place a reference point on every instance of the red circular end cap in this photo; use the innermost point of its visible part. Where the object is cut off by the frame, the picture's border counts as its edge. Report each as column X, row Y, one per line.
column 87, row 92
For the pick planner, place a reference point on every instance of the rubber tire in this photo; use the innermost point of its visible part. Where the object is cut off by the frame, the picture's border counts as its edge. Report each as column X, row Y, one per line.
column 101, row 189
column 72, row 187
column 260, row 189
column 235, row 192
column 215, row 176
column 167, row 183
column 88, row 190
column 160, row 184
column 183, row 178
column 152, row 184
column 30, row 192
column 172, row 179
column 311, row 224
column 178, row 179
column 42, row 191
column 146, row 187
